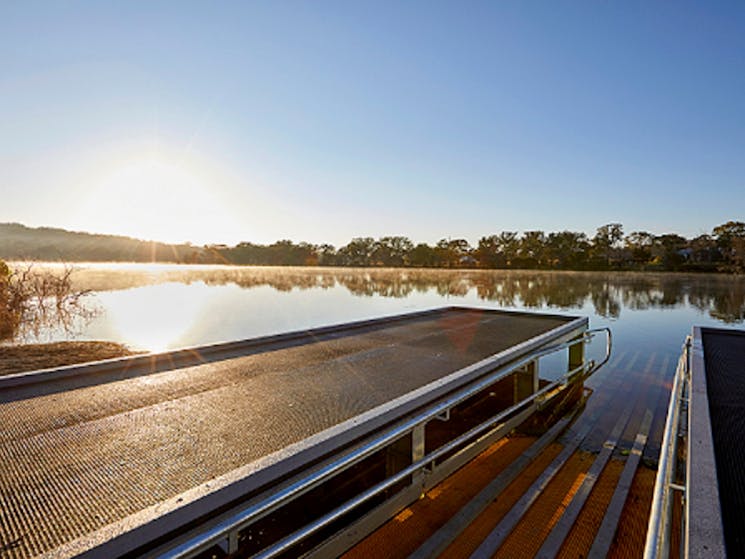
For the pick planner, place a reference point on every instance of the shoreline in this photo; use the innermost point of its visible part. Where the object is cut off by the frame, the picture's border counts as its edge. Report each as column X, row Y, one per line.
column 24, row 358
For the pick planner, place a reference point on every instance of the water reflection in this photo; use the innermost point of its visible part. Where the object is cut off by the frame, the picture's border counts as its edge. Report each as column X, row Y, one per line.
column 129, row 316
column 721, row 297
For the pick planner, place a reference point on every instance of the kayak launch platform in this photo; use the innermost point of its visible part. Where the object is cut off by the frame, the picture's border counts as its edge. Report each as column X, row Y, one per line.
column 281, row 445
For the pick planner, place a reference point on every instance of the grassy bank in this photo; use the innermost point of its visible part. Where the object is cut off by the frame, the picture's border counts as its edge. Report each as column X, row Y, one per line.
column 31, row 357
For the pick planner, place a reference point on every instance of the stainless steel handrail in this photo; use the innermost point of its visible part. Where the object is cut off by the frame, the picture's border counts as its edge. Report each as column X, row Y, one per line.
column 657, row 545
column 240, row 520
column 288, row 542
column 608, row 347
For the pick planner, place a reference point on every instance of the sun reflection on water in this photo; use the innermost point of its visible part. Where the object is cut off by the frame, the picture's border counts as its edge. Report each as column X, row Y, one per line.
column 130, row 313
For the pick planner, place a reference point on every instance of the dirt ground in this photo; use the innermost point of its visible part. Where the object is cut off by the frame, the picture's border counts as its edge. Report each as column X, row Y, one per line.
column 31, row 357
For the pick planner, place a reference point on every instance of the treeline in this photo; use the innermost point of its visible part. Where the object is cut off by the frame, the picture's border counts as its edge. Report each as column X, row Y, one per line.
column 610, row 248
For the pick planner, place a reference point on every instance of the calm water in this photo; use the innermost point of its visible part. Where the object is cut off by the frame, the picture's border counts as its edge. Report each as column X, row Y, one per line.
column 157, row 307
column 166, row 306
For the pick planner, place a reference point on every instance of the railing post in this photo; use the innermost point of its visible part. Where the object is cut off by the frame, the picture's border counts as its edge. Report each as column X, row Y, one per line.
column 233, row 542
column 576, row 359
column 576, row 354
column 417, row 453
column 398, row 456
column 526, row 382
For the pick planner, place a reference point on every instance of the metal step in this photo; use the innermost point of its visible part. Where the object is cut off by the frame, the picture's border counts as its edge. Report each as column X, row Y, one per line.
column 445, row 535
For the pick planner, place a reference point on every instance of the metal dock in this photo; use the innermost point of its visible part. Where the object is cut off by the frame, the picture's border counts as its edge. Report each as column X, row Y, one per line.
column 700, row 486
column 294, row 443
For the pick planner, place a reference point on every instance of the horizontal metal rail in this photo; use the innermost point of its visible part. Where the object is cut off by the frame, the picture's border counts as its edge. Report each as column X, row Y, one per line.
column 657, row 545
column 244, row 518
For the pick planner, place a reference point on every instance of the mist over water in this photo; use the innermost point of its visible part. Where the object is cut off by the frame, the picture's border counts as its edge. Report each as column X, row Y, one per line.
column 157, row 307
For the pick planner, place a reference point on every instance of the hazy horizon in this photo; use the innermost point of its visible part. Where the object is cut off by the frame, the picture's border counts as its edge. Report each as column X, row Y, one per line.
column 473, row 242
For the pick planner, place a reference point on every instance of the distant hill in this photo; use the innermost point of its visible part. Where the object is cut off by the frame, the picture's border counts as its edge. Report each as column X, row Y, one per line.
column 18, row 242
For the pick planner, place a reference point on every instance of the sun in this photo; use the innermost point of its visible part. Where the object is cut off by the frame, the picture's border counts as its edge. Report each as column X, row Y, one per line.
column 158, row 198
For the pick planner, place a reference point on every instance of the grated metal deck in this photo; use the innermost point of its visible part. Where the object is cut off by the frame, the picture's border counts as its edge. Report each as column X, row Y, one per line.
column 724, row 356
column 82, row 465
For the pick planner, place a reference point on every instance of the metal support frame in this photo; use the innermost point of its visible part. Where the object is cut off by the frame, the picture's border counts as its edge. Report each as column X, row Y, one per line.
column 417, row 453
column 576, row 354
column 421, row 468
column 526, row 381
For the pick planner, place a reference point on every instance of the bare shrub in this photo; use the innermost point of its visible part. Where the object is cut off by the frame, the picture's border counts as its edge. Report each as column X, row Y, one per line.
column 34, row 300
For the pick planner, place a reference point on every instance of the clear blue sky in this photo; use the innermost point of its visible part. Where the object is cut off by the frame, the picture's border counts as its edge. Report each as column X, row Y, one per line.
column 321, row 121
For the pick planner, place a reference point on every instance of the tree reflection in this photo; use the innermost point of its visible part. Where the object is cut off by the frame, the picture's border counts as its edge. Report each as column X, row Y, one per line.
column 722, row 297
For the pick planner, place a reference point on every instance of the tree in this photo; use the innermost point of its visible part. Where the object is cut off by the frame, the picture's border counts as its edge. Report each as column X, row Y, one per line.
column 639, row 244
column 667, row 250
column 358, row 252
column 326, row 255
column 606, row 241
column 509, row 245
column 737, row 254
column 392, row 251
column 488, row 254
column 452, row 253
column 423, row 256
column 532, row 247
column 566, row 249
column 730, row 238
column 33, row 300
column 704, row 250
column 725, row 232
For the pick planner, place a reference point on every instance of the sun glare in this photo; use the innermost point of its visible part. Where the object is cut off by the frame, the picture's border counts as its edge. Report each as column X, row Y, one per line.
column 154, row 197
column 160, row 319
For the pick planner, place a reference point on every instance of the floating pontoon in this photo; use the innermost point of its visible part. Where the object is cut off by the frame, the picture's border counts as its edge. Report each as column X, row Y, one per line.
column 700, row 487
column 288, row 444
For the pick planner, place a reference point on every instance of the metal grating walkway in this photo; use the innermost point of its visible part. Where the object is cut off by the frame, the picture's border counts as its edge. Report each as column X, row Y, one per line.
column 724, row 356
column 74, row 462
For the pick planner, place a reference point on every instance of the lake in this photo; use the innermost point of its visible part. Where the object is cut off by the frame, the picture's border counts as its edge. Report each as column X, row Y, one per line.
column 158, row 307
